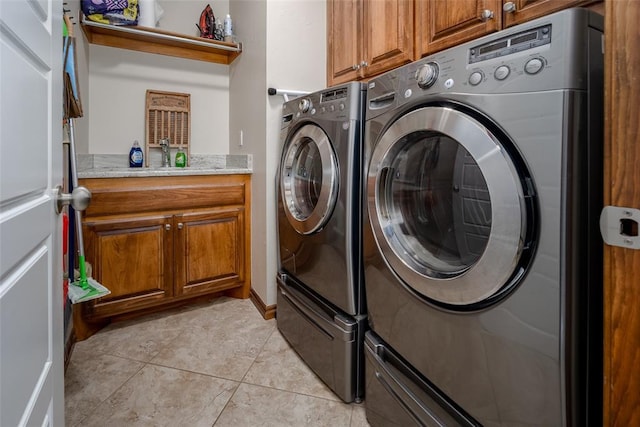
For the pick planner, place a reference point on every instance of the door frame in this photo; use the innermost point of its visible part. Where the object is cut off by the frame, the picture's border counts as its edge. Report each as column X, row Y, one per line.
column 622, row 188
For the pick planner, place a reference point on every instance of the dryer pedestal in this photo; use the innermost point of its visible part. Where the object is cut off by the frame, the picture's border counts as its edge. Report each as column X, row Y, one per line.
column 321, row 306
column 324, row 337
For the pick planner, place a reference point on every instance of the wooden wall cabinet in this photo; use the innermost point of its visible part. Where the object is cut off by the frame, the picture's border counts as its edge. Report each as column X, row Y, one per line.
column 367, row 37
column 441, row 24
column 157, row 241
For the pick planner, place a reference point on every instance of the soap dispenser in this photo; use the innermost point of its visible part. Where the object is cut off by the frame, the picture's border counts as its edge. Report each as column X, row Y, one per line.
column 135, row 155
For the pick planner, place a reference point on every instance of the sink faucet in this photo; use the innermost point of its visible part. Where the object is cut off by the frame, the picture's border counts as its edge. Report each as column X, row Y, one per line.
column 166, row 153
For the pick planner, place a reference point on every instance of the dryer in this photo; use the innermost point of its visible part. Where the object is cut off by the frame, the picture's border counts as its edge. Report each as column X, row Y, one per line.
column 320, row 294
column 482, row 256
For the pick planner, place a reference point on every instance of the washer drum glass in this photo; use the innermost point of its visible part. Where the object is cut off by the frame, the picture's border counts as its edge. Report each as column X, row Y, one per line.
column 446, row 206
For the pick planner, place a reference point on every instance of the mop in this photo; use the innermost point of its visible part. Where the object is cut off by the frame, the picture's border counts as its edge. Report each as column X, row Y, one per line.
column 85, row 288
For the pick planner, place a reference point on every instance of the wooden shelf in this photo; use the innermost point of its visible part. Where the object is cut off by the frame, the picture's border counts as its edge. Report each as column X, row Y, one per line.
column 153, row 40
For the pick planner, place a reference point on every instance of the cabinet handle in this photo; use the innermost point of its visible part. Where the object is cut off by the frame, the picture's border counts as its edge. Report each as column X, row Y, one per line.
column 167, row 227
column 486, row 15
column 355, row 66
column 364, row 63
column 180, row 225
column 509, row 7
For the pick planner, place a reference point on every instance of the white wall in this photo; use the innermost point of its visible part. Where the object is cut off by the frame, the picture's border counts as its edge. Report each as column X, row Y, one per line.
column 247, row 107
column 288, row 52
column 118, row 80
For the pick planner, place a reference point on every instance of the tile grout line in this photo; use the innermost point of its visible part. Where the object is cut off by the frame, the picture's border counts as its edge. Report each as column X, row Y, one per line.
column 243, row 377
column 144, row 364
column 242, row 381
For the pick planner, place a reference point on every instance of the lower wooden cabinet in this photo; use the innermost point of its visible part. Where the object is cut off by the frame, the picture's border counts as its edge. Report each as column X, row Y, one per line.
column 208, row 251
column 159, row 241
column 132, row 257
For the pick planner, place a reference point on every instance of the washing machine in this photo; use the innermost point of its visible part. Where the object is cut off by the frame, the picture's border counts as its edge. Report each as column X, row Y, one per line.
column 320, row 292
column 482, row 259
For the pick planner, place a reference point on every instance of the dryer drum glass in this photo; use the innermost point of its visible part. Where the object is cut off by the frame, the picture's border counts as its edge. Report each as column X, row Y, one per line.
column 306, row 176
column 438, row 211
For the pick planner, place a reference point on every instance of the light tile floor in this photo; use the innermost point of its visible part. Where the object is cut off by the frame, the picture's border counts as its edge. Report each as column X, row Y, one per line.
column 218, row 363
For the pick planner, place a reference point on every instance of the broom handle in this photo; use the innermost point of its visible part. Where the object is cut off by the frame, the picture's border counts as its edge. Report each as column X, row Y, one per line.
column 74, row 183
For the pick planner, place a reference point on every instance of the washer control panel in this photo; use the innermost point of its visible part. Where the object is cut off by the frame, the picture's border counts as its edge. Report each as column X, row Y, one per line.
column 502, row 63
column 337, row 103
column 506, row 69
column 510, row 44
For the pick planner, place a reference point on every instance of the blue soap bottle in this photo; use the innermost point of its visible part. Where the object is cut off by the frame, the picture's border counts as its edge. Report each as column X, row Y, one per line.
column 135, row 155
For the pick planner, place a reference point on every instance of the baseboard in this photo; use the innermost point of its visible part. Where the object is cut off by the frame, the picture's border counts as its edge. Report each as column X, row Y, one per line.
column 267, row 312
column 68, row 347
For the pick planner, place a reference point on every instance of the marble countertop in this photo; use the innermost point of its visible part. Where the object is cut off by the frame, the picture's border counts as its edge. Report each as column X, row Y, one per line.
column 120, row 172
column 113, row 166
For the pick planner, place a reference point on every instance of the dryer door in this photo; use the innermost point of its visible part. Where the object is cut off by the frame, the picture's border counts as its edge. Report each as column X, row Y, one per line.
column 447, row 207
column 308, row 179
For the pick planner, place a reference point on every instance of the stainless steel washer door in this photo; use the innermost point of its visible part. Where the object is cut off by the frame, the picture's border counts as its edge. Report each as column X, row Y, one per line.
column 446, row 206
column 308, row 179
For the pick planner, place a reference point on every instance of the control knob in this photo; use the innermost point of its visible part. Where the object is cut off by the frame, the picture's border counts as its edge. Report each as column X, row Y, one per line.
column 475, row 78
column 304, row 105
column 427, row 75
column 502, row 72
column 533, row 66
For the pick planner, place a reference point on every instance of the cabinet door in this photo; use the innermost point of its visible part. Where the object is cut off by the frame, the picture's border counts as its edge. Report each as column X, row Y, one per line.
column 441, row 24
column 209, row 251
column 388, row 35
column 526, row 10
column 343, row 41
column 133, row 258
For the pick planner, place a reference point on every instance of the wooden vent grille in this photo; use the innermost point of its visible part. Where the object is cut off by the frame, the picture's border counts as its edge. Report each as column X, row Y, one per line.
column 168, row 115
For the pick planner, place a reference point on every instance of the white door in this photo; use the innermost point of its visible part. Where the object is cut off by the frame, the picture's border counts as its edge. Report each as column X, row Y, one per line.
column 31, row 305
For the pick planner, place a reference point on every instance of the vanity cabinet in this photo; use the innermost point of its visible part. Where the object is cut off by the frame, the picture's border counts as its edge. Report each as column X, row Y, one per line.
column 158, row 241
column 367, row 37
column 442, row 24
